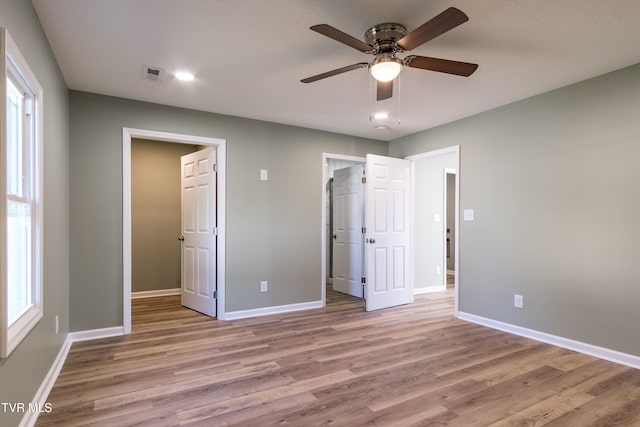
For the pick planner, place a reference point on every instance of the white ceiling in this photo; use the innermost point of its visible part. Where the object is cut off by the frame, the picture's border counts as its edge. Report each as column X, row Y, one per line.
column 248, row 56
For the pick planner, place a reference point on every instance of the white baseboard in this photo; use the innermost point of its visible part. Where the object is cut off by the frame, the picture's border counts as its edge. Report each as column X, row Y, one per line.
column 429, row 290
column 156, row 293
column 30, row 418
column 590, row 349
column 94, row 334
column 40, row 398
column 243, row 314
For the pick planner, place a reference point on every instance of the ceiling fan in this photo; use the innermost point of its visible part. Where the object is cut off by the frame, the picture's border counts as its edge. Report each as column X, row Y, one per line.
column 386, row 40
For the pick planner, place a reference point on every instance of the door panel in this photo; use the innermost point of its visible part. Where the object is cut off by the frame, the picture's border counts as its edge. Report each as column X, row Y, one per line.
column 387, row 243
column 340, row 255
column 348, row 211
column 198, row 260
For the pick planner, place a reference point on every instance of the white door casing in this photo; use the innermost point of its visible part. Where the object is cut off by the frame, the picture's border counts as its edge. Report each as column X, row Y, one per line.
column 348, row 211
column 198, row 231
column 387, row 243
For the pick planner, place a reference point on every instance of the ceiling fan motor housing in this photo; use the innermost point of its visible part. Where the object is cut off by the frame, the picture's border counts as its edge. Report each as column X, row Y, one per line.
column 383, row 37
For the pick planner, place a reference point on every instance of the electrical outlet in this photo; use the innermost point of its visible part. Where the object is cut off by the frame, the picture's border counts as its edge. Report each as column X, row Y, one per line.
column 518, row 301
column 264, row 286
column 57, row 321
column 468, row 215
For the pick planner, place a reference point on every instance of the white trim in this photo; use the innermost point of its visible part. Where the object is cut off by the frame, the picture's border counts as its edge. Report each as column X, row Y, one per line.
column 40, row 398
column 156, row 293
column 278, row 309
column 445, row 214
column 455, row 149
column 323, row 270
column 441, row 151
column 13, row 64
column 429, row 290
column 94, row 334
column 581, row 347
column 220, row 144
column 42, row 394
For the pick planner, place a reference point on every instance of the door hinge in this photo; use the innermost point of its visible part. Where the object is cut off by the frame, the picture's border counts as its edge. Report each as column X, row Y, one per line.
column 363, row 280
column 215, row 294
column 215, row 167
column 364, row 179
column 364, row 230
column 215, row 231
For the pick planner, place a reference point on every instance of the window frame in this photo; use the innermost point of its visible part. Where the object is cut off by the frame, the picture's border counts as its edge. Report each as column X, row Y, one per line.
column 13, row 64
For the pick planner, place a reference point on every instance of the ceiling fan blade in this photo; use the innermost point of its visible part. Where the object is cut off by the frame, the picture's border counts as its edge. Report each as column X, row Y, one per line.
column 441, row 65
column 334, row 72
column 334, row 33
column 438, row 25
column 385, row 90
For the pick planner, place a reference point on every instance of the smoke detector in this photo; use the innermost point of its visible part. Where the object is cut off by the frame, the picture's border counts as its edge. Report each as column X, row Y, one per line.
column 154, row 74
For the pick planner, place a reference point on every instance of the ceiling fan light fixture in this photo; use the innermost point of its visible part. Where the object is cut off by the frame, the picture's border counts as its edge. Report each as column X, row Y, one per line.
column 381, row 115
column 385, row 68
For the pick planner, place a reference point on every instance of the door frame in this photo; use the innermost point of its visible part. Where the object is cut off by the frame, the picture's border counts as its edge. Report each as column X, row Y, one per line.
column 454, row 172
column 220, row 145
column 323, row 270
column 448, row 150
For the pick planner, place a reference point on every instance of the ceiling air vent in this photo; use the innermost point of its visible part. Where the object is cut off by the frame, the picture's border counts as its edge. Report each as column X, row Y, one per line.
column 153, row 73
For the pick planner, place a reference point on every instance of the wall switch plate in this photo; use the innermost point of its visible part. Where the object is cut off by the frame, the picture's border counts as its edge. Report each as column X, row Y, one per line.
column 264, row 175
column 438, row 270
column 518, row 301
column 57, row 321
column 264, row 286
column 468, row 215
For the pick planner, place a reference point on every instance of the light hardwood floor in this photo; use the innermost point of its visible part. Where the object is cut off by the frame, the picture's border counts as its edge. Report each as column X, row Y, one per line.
column 410, row 365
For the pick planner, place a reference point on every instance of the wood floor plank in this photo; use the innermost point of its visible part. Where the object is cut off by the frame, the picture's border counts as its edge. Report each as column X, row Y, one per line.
column 547, row 410
column 616, row 407
column 409, row 365
column 263, row 397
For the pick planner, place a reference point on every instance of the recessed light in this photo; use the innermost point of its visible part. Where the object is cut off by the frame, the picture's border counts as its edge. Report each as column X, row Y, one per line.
column 381, row 115
column 382, row 127
column 184, row 76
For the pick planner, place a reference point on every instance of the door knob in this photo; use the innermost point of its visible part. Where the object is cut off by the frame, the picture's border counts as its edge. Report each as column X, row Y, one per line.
column 335, row 236
column 372, row 240
column 181, row 238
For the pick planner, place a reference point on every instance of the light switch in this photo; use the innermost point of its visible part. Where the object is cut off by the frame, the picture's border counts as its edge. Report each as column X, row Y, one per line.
column 264, row 175
column 518, row 301
column 468, row 215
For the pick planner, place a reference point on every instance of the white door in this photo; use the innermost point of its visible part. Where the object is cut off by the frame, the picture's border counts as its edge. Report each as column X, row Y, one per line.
column 387, row 232
column 348, row 211
column 198, row 226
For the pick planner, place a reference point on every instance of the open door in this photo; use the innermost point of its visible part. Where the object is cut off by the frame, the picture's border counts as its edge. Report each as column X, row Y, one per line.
column 387, row 207
column 198, row 227
column 348, row 210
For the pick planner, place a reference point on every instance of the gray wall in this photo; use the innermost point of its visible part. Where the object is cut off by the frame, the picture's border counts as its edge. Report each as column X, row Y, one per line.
column 23, row 372
column 273, row 227
column 563, row 229
column 155, row 214
column 428, row 234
